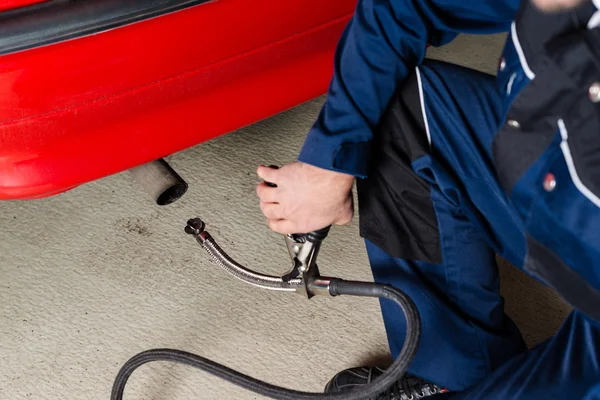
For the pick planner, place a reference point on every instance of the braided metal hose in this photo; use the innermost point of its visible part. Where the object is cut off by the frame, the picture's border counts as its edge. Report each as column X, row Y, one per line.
column 235, row 269
column 317, row 285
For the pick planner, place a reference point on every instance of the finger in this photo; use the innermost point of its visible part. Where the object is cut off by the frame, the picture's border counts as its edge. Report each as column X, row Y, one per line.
column 346, row 214
column 282, row 226
column 266, row 193
column 268, row 174
column 271, row 210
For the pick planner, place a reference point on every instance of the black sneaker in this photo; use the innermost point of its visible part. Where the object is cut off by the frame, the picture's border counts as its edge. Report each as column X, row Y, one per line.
column 409, row 387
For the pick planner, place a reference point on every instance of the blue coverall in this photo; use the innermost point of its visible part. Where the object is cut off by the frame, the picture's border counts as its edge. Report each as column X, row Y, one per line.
column 468, row 344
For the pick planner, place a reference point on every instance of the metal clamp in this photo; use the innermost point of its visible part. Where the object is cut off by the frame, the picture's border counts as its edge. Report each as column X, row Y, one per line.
column 303, row 252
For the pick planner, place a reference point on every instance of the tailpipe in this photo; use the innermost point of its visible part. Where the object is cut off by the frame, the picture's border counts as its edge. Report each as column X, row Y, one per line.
column 160, row 181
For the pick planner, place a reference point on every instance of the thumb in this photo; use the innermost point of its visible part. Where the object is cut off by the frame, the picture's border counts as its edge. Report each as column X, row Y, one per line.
column 282, row 226
column 268, row 174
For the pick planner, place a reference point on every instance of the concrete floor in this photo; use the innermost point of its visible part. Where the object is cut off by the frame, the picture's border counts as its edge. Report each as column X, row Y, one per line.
column 93, row 276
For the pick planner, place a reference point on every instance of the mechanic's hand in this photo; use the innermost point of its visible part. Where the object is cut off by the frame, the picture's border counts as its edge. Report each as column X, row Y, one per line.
column 306, row 198
column 556, row 5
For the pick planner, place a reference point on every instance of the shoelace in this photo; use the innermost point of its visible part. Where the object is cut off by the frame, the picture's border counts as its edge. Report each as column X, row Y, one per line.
column 411, row 388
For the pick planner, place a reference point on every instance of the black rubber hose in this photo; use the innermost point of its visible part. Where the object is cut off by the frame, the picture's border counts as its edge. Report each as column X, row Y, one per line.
column 337, row 287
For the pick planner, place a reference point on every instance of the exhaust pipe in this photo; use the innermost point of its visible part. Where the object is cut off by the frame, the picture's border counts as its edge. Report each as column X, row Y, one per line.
column 160, row 181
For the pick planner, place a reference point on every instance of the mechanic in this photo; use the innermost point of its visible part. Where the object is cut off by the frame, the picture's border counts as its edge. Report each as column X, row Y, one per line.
column 453, row 167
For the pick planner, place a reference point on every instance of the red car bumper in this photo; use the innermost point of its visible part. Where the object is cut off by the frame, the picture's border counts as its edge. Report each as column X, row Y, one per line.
column 10, row 4
column 83, row 109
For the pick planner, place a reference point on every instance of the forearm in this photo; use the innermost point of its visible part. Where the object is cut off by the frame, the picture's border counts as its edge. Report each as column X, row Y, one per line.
column 384, row 41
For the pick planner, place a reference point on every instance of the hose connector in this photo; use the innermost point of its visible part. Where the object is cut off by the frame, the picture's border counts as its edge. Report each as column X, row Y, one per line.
column 195, row 226
column 319, row 286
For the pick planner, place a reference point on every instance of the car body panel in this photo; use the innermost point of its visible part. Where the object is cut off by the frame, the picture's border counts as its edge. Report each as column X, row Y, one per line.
column 83, row 109
column 10, row 4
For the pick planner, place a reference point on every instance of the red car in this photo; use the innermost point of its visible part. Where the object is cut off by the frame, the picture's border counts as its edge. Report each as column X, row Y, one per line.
column 90, row 88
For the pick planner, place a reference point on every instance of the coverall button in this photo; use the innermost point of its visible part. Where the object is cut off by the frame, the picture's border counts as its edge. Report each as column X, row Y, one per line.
column 502, row 64
column 594, row 92
column 513, row 123
column 549, row 182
